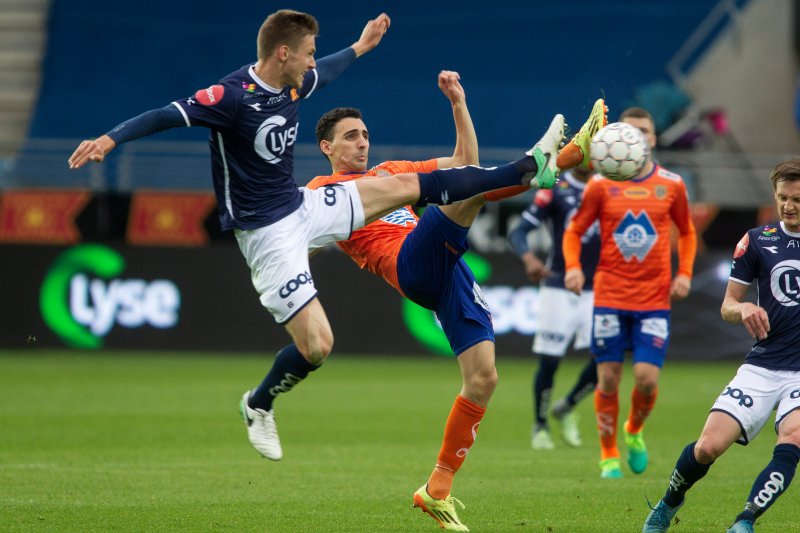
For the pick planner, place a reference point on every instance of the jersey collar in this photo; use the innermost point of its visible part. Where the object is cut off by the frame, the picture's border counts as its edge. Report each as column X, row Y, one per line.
column 260, row 82
column 789, row 233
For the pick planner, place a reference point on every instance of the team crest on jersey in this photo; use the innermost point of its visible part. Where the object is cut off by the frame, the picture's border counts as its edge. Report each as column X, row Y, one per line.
column 400, row 217
column 635, row 236
column 294, row 95
column 660, row 191
column 785, row 282
column 211, row 95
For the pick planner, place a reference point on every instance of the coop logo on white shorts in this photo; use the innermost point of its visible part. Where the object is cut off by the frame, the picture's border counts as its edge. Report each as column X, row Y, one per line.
column 83, row 296
column 295, row 283
column 785, row 282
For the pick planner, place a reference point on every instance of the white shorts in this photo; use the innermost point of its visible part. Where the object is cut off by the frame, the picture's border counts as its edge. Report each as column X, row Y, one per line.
column 278, row 254
column 563, row 315
column 754, row 393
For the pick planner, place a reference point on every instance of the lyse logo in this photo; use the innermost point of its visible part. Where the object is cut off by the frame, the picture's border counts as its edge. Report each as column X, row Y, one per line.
column 130, row 303
column 294, row 284
column 70, row 302
column 737, row 394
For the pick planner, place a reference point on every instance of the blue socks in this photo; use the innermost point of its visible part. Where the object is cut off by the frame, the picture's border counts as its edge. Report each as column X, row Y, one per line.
column 446, row 186
column 543, row 387
column 586, row 383
column 687, row 472
column 288, row 369
column 771, row 482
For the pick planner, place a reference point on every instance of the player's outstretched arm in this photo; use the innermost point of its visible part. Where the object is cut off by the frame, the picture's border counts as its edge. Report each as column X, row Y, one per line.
column 737, row 311
column 372, row 34
column 91, row 150
column 466, row 148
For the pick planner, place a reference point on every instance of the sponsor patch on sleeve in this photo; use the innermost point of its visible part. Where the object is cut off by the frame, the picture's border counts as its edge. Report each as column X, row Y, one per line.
column 741, row 247
column 211, row 95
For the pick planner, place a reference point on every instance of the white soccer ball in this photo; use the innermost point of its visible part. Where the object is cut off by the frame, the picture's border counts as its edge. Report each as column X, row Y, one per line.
column 619, row 151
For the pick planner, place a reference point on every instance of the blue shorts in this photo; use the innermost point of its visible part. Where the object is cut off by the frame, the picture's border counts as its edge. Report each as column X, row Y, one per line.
column 645, row 333
column 432, row 273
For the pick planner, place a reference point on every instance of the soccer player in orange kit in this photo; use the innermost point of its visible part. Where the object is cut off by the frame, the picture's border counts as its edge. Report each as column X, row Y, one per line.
column 422, row 259
column 633, row 286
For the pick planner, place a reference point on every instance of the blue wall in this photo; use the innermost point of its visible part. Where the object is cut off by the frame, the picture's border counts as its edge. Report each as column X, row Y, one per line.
column 520, row 64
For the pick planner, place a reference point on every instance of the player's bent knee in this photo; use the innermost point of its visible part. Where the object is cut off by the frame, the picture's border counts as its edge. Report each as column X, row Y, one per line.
column 706, row 450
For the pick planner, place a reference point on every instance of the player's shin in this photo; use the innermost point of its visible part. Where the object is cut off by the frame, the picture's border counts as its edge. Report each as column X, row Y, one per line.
column 450, row 185
column 459, row 436
column 772, row 481
column 687, row 472
column 288, row 369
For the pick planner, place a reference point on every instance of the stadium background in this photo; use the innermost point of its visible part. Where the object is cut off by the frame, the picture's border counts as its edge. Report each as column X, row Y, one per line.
column 179, row 284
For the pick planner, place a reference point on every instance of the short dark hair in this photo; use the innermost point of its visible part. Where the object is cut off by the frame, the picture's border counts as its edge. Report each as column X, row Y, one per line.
column 636, row 112
column 787, row 171
column 327, row 122
column 284, row 27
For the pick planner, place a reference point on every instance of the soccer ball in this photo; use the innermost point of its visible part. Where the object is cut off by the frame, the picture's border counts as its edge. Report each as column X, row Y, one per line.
column 619, row 151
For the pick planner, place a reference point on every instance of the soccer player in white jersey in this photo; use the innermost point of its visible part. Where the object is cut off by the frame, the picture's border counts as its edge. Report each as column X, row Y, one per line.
column 769, row 379
column 253, row 117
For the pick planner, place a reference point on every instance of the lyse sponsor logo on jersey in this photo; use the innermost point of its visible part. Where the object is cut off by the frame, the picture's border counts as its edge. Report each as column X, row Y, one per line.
column 272, row 139
column 295, row 283
column 785, row 282
column 210, row 95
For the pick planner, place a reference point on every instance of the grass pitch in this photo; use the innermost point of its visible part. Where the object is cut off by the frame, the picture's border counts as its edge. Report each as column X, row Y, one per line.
column 119, row 441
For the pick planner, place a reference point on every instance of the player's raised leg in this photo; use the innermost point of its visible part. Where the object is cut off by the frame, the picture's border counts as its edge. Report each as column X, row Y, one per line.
column 575, row 153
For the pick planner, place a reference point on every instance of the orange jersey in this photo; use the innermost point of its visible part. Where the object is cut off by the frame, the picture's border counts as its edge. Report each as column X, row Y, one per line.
column 635, row 269
column 375, row 246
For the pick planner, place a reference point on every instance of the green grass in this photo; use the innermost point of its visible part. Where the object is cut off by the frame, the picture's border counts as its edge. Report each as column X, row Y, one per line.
column 153, row 442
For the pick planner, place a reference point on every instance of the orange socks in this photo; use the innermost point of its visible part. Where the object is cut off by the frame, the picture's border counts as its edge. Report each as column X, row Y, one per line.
column 459, row 436
column 606, row 408
column 569, row 156
column 641, row 406
column 505, row 192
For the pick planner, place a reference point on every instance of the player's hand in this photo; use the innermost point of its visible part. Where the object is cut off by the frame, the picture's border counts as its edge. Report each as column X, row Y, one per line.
column 372, row 34
column 534, row 268
column 680, row 287
column 450, row 86
column 95, row 151
column 755, row 320
column 574, row 280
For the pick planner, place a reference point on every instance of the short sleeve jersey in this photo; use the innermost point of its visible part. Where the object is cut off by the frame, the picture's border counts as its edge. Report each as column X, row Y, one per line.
column 375, row 247
column 557, row 206
column 253, row 131
column 770, row 257
column 635, row 271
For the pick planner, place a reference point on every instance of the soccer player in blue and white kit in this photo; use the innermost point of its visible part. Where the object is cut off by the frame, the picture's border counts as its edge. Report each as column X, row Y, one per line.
column 253, row 117
column 567, row 317
column 769, row 379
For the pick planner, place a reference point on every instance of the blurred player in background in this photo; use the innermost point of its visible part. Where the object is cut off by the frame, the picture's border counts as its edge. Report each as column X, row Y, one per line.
column 769, row 379
column 564, row 316
column 422, row 259
column 253, row 117
column 633, row 286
